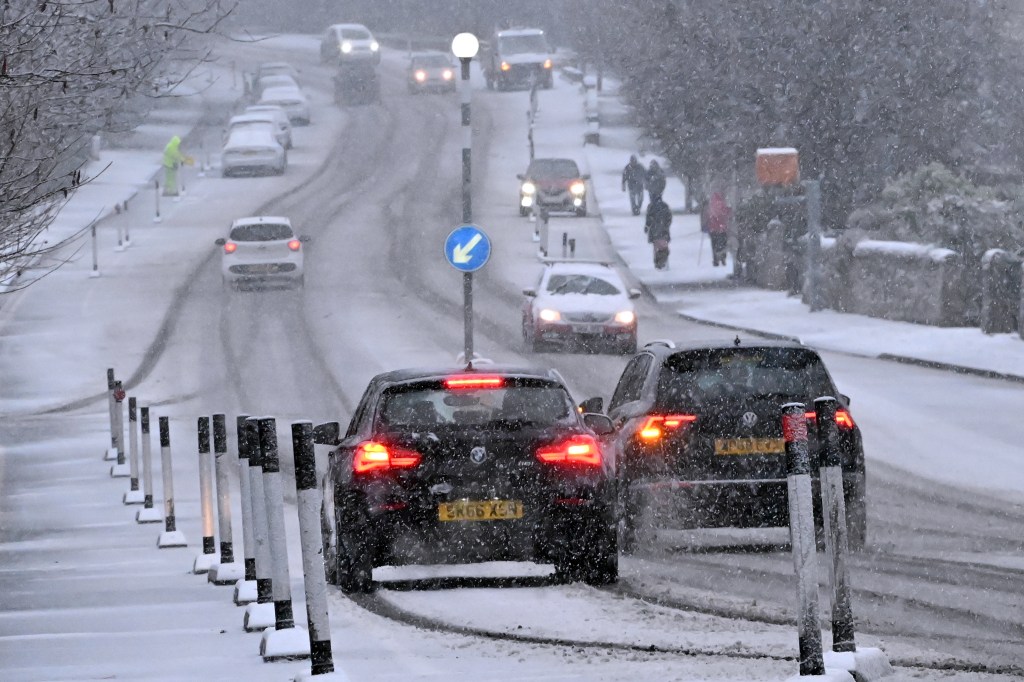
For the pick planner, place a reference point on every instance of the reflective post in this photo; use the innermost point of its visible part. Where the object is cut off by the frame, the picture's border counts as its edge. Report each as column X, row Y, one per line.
column 260, row 615
column 148, row 514
column 133, row 495
column 205, row 560
column 171, row 537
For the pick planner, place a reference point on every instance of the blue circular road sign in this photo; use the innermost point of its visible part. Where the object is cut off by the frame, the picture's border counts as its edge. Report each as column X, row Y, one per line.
column 467, row 248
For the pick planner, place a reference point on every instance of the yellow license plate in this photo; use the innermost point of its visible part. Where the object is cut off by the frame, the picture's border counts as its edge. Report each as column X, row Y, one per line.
column 749, row 446
column 485, row 510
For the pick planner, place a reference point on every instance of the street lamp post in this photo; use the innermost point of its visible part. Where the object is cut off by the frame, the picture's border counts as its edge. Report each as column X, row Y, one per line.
column 465, row 47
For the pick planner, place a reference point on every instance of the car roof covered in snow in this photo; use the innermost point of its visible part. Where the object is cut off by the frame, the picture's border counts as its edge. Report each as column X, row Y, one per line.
column 410, row 374
column 256, row 220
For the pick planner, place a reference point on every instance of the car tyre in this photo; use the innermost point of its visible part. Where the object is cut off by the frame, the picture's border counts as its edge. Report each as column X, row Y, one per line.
column 354, row 555
column 588, row 553
column 328, row 528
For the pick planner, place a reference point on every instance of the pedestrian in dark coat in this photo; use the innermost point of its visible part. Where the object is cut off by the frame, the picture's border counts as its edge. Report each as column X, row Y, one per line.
column 633, row 176
column 717, row 217
column 658, row 228
column 655, row 180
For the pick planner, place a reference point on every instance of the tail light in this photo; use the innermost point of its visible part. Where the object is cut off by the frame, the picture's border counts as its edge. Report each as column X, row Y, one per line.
column 580, row 449
column 474, row 381
column 373, row 456
column 295, row 245
column 230, row 247
column 844, row 420
column 547, row 64
column 657, row 425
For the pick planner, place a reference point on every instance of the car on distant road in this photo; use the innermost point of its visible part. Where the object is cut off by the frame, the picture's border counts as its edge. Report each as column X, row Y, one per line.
column 555, row 184
column 580, row 304
column 699, row 436
column 275, row 69
column 261, row 251
column 291, row 100
column 432, row 71
column 262, row 119
column 349, row 44
column 280, row 118
column 517, row 57
column 442, row 466
column 252, row 150
column 279, row 80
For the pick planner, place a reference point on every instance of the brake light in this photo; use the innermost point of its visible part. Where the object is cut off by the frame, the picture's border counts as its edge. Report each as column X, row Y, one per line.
column 580, row 449
column 230, row 247
column 373, row 456
column 656, row 425
column 295, row 245
column 474, row 381
column 844, row 420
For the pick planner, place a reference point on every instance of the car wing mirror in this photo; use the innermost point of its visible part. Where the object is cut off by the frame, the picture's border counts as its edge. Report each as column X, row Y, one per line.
column 520, row 176
column 599, row 424
column 529, row 292
column 220, row 241
column 585, row 176
column 327, row 434
column 592, row 406
column 305, row 238
column 635, row 293
column 846, row 398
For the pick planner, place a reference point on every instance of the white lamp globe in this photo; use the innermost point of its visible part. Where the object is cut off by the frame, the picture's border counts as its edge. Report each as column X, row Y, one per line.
column 465, row 46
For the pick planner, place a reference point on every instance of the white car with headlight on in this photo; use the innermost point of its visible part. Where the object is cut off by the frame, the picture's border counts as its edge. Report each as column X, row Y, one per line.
column 582, row 304
column 260, row 251
column 349, row 44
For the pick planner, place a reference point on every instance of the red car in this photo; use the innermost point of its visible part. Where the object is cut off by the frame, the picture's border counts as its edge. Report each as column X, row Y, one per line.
column 555, row 184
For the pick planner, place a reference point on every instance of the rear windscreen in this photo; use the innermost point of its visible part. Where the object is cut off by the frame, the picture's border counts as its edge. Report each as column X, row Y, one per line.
column 261, row 232
column 707, row 375
column 425, row 407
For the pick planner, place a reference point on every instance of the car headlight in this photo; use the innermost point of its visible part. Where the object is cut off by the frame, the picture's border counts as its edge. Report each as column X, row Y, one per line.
column 547, row 64
column 421, row 76
column 528, row 188
column 577, row 188
column 374, row 46
column 625, row 317
column 505, row 66
column 550, row 315
column 448, row 75
column 346, row 47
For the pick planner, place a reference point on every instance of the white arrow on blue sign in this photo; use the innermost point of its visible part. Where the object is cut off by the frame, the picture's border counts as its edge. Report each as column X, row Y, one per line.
column 467, row 248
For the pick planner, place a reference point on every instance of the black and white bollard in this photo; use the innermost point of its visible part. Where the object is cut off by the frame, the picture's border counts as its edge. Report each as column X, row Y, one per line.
column 171, row 537
column 148, row 514
column 227, row 571
column 285, row 640
column 863, row 663
column 156, row 188
column 120, row 467
column 245, row 589
column 259, row 615
column 203, row 561
column 309, row 501
column 110, row 454
column 133, row 495
column 801, row 534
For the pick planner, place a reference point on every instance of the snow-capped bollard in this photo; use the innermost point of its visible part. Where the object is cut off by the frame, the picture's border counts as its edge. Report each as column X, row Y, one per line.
column 120, row 468
column 285, row 641
column 313, row 577
column 245, row 589
column 261, row 614
column 801, row 533
column 863, row 663
column 133, row 494
column 147, row 514
column 227, row 571
column 171, row 537
column 209, row 556
column 110, row 453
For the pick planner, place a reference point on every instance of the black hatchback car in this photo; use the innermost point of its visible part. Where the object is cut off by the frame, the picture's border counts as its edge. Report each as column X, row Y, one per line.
column 699, row 436
column 465, row 466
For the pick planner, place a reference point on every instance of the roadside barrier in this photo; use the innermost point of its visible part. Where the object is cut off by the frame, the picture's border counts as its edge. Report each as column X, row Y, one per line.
column 110, row 453
column 147, row 514
column 801, row 532
column 203, row 561
column 120, row 469
column 285, row 641
column 133, row 495
column 227, row 571
column 245, row 588
column 171, row 537
column 311, row 536
column 259, row 615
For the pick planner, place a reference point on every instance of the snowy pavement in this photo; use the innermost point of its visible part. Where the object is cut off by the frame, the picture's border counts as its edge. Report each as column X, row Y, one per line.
column 98, row 584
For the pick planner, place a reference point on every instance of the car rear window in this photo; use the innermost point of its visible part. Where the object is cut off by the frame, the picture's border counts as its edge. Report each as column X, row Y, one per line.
column 554, row 168
column 694, row 377
column 261, row 232
column 581, row 284
column 426, row 406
